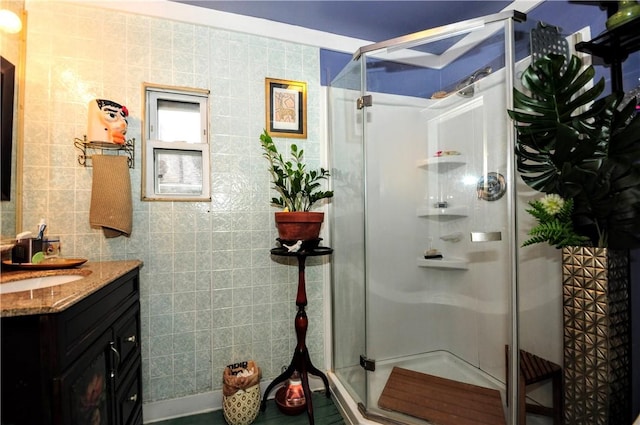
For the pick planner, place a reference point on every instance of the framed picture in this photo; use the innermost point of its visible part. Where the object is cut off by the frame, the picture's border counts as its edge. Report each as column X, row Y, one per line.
column 286, row 108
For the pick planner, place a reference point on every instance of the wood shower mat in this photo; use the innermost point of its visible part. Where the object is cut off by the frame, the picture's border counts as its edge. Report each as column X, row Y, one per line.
column 440, row 400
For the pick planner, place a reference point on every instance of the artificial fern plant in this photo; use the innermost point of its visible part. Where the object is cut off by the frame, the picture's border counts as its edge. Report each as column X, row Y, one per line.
column 581, row 147
column 555, row 225
column 298, row 187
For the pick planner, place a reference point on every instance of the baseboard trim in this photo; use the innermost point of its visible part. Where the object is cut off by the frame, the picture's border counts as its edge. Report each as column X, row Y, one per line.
column 163, row 410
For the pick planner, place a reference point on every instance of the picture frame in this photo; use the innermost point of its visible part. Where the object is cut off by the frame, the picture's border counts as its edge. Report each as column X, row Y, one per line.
column 286, row 108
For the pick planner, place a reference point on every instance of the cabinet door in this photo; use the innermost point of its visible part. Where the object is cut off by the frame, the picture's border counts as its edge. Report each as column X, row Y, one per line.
column 24, row 400
column 86, row 387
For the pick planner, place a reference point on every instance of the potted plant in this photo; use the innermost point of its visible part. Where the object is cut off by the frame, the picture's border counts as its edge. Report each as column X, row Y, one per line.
column 582, row 148
column 299, row 189
column 583, row 152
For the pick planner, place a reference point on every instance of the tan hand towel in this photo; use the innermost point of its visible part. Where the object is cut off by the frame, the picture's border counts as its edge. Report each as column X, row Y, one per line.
column 111, row 206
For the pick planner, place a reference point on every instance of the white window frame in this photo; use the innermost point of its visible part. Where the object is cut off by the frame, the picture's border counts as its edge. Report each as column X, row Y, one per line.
column 151, row 144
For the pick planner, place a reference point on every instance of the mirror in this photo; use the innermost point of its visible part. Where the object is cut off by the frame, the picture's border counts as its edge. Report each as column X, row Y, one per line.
column 12, row 67
column 7, row 87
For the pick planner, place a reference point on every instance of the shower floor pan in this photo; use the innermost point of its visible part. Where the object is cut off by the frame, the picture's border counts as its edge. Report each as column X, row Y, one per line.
column 438, row 363
column 441, row 400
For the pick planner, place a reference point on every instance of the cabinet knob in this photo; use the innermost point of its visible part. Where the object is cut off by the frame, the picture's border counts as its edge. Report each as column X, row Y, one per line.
column 133, row 398
column 131, row 338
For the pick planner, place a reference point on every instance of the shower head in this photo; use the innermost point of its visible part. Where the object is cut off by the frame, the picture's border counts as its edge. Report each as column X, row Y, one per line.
column 465, row 87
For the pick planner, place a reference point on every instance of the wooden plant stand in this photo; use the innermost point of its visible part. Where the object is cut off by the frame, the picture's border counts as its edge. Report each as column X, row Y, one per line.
column 300, row 361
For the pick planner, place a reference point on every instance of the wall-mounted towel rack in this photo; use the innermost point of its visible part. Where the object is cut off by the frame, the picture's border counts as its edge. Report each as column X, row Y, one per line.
column 88, row 149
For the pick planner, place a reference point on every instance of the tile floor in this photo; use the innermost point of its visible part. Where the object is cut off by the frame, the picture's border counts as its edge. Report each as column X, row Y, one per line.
column 325, row 413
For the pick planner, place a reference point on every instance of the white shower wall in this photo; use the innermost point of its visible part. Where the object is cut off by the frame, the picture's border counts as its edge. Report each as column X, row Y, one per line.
column 414, row 309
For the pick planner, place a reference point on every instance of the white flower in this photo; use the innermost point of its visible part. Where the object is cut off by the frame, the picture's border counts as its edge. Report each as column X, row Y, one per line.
column 552, row 203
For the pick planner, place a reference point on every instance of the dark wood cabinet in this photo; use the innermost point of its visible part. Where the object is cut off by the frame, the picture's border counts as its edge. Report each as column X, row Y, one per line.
column 81, row 366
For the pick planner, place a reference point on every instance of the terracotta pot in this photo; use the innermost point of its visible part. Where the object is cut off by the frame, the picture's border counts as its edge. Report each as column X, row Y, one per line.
column 299, row 225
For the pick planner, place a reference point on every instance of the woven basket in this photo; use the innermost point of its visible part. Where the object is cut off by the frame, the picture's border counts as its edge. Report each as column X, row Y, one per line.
column 243, row 407
column 241, row 394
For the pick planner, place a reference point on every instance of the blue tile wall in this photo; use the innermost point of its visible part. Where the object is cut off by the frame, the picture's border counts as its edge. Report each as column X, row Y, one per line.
column 211, row 295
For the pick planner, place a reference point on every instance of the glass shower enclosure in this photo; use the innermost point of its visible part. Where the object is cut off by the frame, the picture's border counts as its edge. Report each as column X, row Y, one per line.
column 424, row 217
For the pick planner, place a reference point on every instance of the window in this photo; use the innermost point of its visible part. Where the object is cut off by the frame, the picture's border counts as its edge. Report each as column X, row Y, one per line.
column 176, row 145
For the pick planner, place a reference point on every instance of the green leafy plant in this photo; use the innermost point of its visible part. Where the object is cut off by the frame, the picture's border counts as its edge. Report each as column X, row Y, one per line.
column 572, row 143
column 298, row 187
column 554, row 222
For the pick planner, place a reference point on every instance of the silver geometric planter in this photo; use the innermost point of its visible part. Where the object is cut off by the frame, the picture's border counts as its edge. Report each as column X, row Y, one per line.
column 597, row 336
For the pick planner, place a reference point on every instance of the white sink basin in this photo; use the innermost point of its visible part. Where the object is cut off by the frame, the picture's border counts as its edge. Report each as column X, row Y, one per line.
column 37, row 283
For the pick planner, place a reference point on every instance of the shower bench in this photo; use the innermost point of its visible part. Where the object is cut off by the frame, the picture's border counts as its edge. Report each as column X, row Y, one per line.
column 534, row 369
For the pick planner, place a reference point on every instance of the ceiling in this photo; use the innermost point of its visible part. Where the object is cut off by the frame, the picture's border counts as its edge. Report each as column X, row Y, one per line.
column 365, row 20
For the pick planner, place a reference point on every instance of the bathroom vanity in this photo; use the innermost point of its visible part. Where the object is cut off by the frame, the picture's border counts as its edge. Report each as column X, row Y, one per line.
column 71, row 353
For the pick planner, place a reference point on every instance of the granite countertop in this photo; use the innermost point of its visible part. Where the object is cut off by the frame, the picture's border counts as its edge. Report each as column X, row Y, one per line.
column 57, row 298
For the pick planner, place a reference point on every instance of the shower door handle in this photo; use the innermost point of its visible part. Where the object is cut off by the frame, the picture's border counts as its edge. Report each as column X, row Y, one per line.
column 486, row 236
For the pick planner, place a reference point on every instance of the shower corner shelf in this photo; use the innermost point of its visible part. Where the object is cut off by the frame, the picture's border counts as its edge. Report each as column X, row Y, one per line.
column 442, row 163
column 460, row 211
column 452, row 263
column 88, row 149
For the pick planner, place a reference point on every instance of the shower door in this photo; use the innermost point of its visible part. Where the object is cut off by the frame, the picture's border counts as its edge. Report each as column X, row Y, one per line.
column 422, row 165
column 348, row 216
